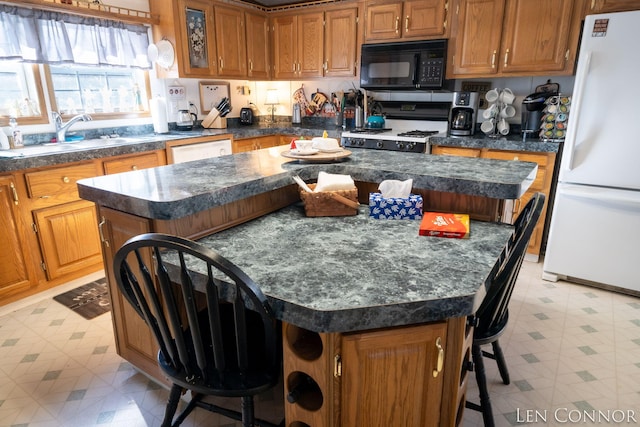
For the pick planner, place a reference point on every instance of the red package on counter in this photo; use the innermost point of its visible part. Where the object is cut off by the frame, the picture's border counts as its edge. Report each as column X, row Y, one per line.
column 441, row 224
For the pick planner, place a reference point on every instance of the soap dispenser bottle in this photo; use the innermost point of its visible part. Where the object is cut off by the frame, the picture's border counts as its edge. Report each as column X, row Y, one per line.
column 16, row 133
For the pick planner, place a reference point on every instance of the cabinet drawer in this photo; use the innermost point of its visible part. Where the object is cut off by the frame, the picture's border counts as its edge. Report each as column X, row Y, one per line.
column 62, row 180
column 455, row 151
column 540, row 159
column 142, row 161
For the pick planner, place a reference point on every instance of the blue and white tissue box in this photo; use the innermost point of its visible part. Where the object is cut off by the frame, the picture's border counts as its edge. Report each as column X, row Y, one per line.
column 395, row 207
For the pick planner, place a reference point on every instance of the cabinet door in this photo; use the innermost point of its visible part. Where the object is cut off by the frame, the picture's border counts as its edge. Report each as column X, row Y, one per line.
column 391, row 377
column 196, row 43
column 536, row 35
column 383, row 22
column 423, row 18
column 68, row 237
column 476, row 34
column 310, row 49
column 606, row 6
column 341, row 42
column 257, row 45
column 231, row 42
column 285, row 47
column 134, row 339
column 15, row 260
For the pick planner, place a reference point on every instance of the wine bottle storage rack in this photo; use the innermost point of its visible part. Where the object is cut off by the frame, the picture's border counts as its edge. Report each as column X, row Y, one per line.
column 305, row 344
column 308, row 361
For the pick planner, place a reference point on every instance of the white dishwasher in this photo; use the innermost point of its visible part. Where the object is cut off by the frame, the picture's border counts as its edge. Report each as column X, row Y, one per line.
column 186, row 151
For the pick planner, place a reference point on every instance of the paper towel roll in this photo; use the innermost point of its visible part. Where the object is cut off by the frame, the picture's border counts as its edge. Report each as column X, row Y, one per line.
column 158, row 107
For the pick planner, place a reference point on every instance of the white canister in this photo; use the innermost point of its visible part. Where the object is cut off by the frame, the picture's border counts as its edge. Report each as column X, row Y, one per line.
column 158, row 107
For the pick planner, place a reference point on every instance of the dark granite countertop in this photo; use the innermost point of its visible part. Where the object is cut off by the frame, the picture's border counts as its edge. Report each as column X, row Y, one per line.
column 43, row 155
column 179, row 190
column 510, row 142
column 340, row 274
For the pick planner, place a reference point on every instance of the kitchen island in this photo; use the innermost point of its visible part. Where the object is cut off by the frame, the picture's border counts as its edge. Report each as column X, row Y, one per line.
column 376, row 304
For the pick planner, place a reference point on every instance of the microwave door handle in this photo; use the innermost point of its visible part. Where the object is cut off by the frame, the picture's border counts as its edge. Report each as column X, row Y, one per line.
column 416, row 67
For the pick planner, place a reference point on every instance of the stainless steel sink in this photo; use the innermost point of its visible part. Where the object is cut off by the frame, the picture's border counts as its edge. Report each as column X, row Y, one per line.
column 38, row 150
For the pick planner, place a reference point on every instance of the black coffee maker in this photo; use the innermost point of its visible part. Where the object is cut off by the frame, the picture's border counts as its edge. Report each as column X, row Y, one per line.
column 464, row 109
column 533, row 108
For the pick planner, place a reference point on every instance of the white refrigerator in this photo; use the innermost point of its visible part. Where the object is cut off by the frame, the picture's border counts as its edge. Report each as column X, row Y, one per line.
column 594, row 233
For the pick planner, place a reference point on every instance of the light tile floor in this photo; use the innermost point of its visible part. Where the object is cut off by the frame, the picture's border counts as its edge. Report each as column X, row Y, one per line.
column 571, row 350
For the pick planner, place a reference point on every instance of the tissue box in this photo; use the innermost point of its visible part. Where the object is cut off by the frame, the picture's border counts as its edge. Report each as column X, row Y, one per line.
column 395, row 207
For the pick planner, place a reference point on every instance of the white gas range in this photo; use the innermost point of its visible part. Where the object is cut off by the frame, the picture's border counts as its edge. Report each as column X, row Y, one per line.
column 408, row 127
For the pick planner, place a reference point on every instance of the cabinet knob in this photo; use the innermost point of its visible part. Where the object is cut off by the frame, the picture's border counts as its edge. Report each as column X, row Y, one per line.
column 134, row 167
column 397, row 24
column 65, row 179
column 406, row 24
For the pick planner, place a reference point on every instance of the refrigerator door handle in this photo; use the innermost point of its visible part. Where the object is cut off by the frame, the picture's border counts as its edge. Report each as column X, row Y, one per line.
column 625, row 198
column 570, row 143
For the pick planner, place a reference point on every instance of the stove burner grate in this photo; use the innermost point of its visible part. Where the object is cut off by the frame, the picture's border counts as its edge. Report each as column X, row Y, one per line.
column 419, row 133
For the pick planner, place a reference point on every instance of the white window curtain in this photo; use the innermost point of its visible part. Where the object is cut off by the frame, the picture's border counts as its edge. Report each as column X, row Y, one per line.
column 45, row 37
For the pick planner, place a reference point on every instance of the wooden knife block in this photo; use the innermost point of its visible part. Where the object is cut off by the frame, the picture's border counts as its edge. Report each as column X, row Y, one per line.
column 214, row 121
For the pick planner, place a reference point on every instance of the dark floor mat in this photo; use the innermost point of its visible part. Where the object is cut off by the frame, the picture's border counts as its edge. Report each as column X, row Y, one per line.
column 89, row 301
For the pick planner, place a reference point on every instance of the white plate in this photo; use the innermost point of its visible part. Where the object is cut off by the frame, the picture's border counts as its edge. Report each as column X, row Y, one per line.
column 308, row 152
column 331, row 150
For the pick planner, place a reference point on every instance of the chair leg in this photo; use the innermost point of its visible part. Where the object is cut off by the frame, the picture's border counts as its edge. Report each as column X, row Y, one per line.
column 172, row 405
column 247, row 411
column 481, row 379
column 195, row 400
column 502, row 364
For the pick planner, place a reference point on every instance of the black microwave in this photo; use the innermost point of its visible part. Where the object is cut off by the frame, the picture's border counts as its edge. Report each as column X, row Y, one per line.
column 404, row 66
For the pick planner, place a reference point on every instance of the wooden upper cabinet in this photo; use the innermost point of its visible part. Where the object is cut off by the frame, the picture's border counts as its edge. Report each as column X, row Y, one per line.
column 231, row 42
column 536, row 35
column 257, row 27
column 606, row 6
column 285, row 46
column 189, row 26
column 310, row 47
column 341, row 42
column 298, row 45
column 514, row 37
column 411, row 19
column 383, row 22
column 476, row 35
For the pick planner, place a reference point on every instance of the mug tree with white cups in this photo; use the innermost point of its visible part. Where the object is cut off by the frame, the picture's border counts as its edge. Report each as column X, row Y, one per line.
column 500, row 109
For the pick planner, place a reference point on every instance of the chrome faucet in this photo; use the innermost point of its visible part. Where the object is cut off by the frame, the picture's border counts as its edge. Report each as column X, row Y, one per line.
column 61, row 129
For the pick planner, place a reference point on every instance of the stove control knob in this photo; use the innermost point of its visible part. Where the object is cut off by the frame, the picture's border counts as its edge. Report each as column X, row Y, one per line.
column 400, row 145
column 379, row 144
column 411, row 145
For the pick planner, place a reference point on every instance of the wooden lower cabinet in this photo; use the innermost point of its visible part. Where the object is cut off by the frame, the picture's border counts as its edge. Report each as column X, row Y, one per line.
column 50, row 233
column 134, row 340
column 542, row 183
column 249, row 144
column 409, row 376
column 16, row 264
column 68, row 237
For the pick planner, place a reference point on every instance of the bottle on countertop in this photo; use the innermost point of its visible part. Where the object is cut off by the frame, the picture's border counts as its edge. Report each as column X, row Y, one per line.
column 16, row 133
column 4, row 141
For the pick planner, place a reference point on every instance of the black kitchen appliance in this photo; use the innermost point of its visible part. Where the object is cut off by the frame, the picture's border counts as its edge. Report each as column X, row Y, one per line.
column 464, row 111
column 246, row 116
column 402, row 66
column 407, row 126
column 533, row 108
